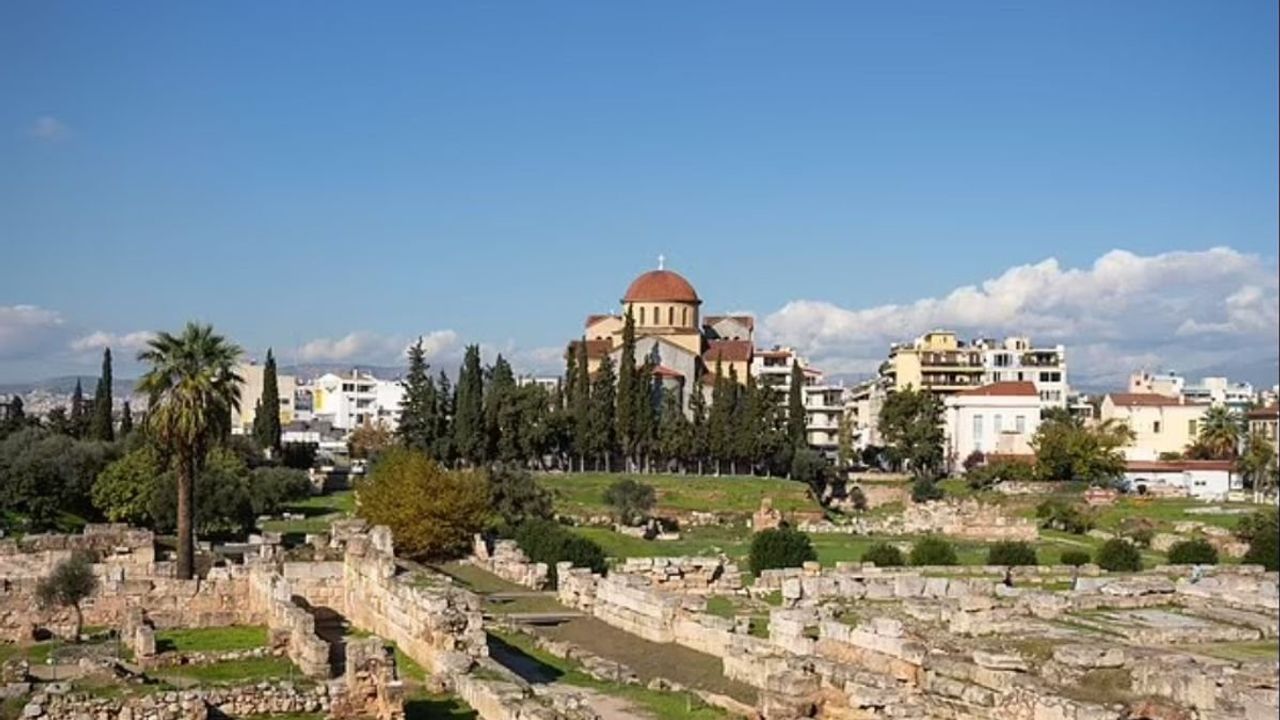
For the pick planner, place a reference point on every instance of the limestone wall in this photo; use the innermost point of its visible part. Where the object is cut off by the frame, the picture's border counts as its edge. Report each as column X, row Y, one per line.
column 691, row 575
column 246, row 701
column 319, row 583
column 272, row 596
column 33, row 556
column 508, row 561
column 969, row 520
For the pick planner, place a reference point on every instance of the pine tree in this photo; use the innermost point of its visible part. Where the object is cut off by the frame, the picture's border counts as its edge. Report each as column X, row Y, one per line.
column 500, row 416
column 266, row 420
column 469, row 436
column 418, row 425
column 795, row 406
column 77, row 420
column 126, row 420
column 102, row 425
column 445, row 398
column 603, row 406
column 627, row 391
column 583, row 441
column 699, row 442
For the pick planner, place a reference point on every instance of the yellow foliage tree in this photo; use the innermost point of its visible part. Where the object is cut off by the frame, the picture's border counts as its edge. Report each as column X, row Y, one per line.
column 432, row 512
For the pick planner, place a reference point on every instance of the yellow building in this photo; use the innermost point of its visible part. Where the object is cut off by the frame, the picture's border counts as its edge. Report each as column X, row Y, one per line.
column 251, row 392
column 1160, row 424
column 684, row 346
column 937, row 362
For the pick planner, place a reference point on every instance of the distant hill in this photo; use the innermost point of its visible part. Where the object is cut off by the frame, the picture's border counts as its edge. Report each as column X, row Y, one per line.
column 66, row 384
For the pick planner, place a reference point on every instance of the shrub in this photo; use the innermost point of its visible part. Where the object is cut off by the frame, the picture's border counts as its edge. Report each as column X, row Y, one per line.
column 1059, row 515
column 975, row 459
column 1138, row 529
column 299, row 455
column 1119, row 555
column 925, row 489
column 432, row 512
column 550, row 542
column 933, row 550
column 810, row 468
column 223, row 507
column 1197, row 551
column 1261, row 529
column 71, row 582
column 630, row 500
column 1011, row 552
column 883, row 555
column 123, row 490
column 270, row 488
column 516, row 497
column 858, row 498
column 1074, row 557
column 780, row 548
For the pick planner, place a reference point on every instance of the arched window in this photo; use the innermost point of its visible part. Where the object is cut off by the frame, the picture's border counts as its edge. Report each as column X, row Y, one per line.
column 684, row 317
column 657, row 315
column 641, row 314
column 671, row 315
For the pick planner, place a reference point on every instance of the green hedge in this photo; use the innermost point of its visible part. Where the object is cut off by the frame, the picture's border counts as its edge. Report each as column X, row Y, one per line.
column 1119, row 555
column 883, row 555
column 780, row 548
column 933, row 550
column 1012, row 552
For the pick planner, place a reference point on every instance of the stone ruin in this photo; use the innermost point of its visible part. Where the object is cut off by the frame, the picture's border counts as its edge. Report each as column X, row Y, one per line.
column 767, row 517
column 965, row 520
column 508, row 561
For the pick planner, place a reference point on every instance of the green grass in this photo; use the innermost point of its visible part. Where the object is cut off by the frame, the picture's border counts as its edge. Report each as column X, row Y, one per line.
column 1268, row 650
column 662, row 705
column 231, row 673
column 721, row 606
column 224, row 639
column 476, row 579
column 583, row 493
column 424, row 706
column 733, row 541
column 320, row 511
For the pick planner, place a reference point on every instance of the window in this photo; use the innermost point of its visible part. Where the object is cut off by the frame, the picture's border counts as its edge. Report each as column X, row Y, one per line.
column 671, row 316
column 1155, row 427
column 1191, row 428
column 997, row 424
column 977, row 430
column 348, row 387
column 1020, row 424
column 684, row 316
column 641, row 314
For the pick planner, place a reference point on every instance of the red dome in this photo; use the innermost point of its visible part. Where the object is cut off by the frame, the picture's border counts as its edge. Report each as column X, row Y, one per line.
column 661, row 286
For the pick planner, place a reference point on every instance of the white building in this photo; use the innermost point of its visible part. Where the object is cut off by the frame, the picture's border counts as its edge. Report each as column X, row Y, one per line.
column 1218, row 391
column 1015, row 359
column 1200, row 479
column 862, row 410
column 824, row 404
column 348, row 401
column 550, row 383
column 996, row 419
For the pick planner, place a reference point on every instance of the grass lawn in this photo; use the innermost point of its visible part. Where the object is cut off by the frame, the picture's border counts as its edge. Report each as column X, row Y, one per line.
column 1268, row 650
column 423, row 706
column 1167, row 512
column 583, row 493
column 662, row 705
column 319, row 511
column 476, row 579
column 232, row 673
column 238, row 637
column 733, row 541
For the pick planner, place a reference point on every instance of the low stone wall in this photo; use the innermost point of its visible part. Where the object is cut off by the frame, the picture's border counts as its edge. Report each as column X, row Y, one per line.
column 289, row 624
column 967, row 520
column 319, row 583
column 33, row 556
column 246, row 701
column 508, row 561
column 690, row 575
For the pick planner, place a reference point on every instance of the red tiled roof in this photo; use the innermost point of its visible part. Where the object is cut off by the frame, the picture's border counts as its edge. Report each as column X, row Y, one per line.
column 728, row 351
column 773, row 353
column 1271, row 412
column 1143, row 399
column 1004, row 389
column 593, row 319
column 661, row 286
column 747, row 320
column 595, row 348
column 1178, row 465
column 664, row 371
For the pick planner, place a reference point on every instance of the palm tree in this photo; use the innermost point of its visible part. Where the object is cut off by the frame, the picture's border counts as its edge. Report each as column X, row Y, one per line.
column 1258, row 465
column 192, row 388
column 1220, row 431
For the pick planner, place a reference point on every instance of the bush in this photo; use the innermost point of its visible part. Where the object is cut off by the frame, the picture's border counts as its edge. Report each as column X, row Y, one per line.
column 299, row 455
column 1012, row 552
column 1059, row 515
column 70, row 583
column 270, row 488
column 780, row 548
column 223, row 508
column 516, row 497
column 925, row 489
column 1197, row 551
column 883, row 555
column 975, row 460
column 1119, row 555
column 123, row 490
column 810, row 468
column 630, row 500
column 858, row 498
column 432, row 512
column 981, row 478
column 1138, row 529
column 549, row 542
column 933, row 550
column 1074, row 558
column 1261, row 529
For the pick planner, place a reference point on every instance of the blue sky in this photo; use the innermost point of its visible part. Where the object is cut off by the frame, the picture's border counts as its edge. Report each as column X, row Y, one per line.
column 302, row 175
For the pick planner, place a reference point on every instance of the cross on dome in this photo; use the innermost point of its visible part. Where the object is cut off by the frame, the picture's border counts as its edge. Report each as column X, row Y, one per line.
column 662, row 259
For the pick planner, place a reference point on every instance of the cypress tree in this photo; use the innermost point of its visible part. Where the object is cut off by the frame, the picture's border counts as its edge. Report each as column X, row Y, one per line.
column 444, row 449
column 469, row 437
column 627, row 390
column 795, row 406
column 126, row 420
column 102, row 426
column 417, row 428
column 77, row 420
column 718, row 430
column 499, row 399
column 603, row 406
column 699, row 445
column 583, row 441
column 266, row 420
column 644, row 414
column 675, row 433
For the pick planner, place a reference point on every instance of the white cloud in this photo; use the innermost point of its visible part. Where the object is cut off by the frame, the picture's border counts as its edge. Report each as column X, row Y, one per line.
column 28, row 330
column 99, row 340
column 1179, row 309
column 370, row 347
column 49, row 129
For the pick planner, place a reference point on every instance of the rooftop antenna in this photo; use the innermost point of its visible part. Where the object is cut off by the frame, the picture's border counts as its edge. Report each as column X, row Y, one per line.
column 662, row 261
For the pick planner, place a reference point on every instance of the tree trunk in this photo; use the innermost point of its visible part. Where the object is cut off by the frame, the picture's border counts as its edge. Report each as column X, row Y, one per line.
column 186, row 518
column 79, row 622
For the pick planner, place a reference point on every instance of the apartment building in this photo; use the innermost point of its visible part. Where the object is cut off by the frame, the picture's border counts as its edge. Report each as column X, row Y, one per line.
column 937, row 362
column 996, row 419
column 862, row 411
column 251, row 393
column 1220, row 391
column 349, row 400
column 1161, row 424
column 1015, row 359
column 824, row 404
column 1264, row 421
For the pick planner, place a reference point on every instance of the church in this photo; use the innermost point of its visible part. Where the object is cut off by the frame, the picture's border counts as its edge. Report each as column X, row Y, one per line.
column 685, row 346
